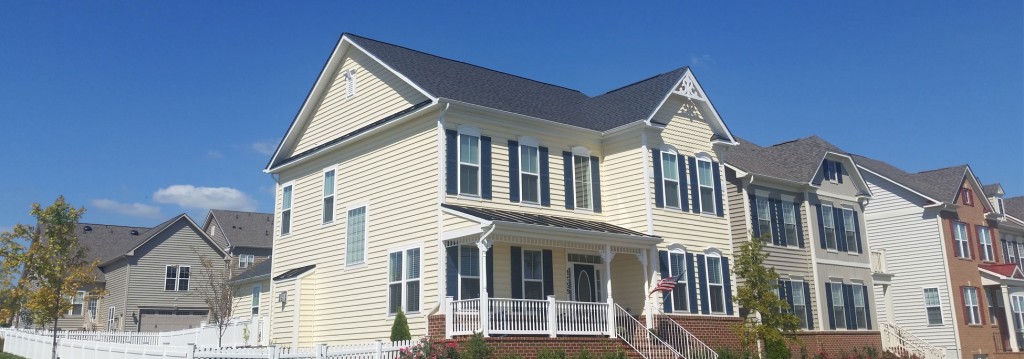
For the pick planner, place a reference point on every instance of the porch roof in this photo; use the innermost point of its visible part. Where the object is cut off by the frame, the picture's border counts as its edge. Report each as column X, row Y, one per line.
column 1004, row 270
column 497, row 215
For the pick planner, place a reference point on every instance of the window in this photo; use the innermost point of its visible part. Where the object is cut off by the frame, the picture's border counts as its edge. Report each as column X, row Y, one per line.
column 356, row 236
column 831, row 169
column 246, row 260
column 404, row 281
column 176, row 278
column 706, row 184
column 469, row 272
column 77, row 303
column 256, row 299
column 286, row 210
column 529, row 174
column 789, row 221
column 93, row 303
column 932, row 306
column 764, row 217
column 328, row 209
column 111, row 318
column 985, row 241
column 1017, row 304
column 670, row 179
column 533, row 275
column 677, row 267
column 999, row 206
column 995, row 304
column 973, row 311
column 830, row 226
column 716, row 289
column 799, row 304
column 1020, row 250
column 859, row 306
column 350, row 83
column 851, row 230
column 1008, row 255
column 469, row 164
column 581, row 176
column 838, row 308
column 963, row 248
column 967, row 197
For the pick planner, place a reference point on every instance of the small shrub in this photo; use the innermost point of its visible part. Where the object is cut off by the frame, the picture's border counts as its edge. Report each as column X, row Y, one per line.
column 511, row 356
column 476, row 348
column 619, row 354
column 776, row 350
column 871, row 352
column 727, row 353
column 583, row 354
column 426, row 348
column 551, row 353
column 400, row 328
column 803, row 352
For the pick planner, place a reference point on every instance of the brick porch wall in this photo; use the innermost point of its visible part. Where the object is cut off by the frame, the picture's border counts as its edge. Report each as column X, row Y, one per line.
column 716, row 332
column 836, row 343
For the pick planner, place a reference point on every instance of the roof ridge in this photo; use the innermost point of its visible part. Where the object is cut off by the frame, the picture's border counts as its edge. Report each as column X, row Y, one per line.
column 940, row 169
column 641, row 81
column 110, row 225
column 231, row 210
column 465, row 63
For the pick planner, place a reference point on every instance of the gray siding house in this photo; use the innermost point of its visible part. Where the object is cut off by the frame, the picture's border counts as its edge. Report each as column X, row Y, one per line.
column 245, row 236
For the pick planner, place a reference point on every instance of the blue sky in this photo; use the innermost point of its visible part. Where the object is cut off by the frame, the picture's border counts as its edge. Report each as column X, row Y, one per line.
column 142, row 110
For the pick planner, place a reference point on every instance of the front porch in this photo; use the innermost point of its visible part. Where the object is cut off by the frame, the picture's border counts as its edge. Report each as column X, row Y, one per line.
column 550, row 317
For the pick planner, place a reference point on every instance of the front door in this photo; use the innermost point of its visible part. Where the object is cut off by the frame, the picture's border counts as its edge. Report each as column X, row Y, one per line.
column 585, row 285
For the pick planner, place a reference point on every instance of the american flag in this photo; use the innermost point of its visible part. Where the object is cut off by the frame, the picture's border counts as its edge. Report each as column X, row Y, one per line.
column 666, row 284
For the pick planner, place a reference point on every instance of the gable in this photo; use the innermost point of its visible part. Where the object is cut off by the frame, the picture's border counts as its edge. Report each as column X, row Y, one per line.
column 977, row 193
column 688, row 100
column 686, row 128
column 178, row 240
column 849, row 180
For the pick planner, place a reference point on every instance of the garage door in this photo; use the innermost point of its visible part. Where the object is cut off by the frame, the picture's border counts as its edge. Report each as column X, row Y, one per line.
column 160, row 320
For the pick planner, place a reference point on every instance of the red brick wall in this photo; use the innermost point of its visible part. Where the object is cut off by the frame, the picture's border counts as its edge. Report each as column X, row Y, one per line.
column 435, row 326
column 835, row 343
column 716, row 332
column 528, row 347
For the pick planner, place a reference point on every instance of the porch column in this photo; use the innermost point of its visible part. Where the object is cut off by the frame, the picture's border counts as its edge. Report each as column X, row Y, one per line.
column 484, row 245
column 642, row 256
column 652, row 277
column 1008, row 312
column 606, row 257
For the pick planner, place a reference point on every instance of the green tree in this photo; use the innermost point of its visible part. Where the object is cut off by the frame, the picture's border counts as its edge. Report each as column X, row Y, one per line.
column 51, row 263
column 400, row 328
column 767, row 317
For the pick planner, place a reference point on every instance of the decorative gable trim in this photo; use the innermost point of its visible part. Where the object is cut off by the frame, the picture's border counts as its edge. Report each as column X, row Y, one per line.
column 690, row 88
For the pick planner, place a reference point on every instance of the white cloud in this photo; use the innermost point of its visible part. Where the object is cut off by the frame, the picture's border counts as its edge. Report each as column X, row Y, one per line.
column 214, row 154
column 264, row 148
column 205, row 197
column 127, row 209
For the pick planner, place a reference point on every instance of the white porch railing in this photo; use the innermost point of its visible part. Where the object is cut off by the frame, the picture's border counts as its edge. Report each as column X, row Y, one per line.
column 684, row 342
column 899, row 341
column 640, row 339
column 528, row 317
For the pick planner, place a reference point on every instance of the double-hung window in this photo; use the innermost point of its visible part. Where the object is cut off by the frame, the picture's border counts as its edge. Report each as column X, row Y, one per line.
column 256, row 299
column 764, row 217
column 963, row 248
column 93, row 303
column 859, row 306
column 985, row 241
column 1020, row 254
column 529, row 173
column 932, row 306
column 995, row 304
column 286, row 210
column 838, row 306
column 404, row 281
column 831, row 170
column 799, row 304
column 469, row 164
column 716, row 288
column 176, row 278
column 355, row 236
column 1000, row 206
column 670, row 178
column 533, row 275
column 328, row 203
column 830, row 227
column 469, row 272
column 246, row 260
column 850, row 235
column 971, row 307
column 705, row 181
column 789, row 222
column 967, row 197
column 111, row 318
column 77, row 303
column 582, row 181
column 677, row 268
column 1017, row 304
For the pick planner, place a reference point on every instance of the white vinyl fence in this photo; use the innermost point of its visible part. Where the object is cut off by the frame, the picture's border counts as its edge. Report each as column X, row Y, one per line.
column 34, row 345
column 244, row 333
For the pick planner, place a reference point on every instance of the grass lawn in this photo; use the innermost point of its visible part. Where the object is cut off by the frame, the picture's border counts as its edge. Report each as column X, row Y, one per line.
column 9, row 356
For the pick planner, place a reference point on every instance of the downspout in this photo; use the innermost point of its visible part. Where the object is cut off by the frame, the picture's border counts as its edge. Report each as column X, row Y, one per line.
column 441, row 251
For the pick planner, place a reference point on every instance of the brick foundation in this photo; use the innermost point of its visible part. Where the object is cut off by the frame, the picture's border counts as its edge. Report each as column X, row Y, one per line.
column 528, row 347
column 435, row 326
column 835, row 344
column 716, row 332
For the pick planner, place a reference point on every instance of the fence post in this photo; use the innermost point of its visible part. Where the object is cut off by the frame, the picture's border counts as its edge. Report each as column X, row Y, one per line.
column 552, row 316
column 272, row 352
column 449, row 317
column 320, row 350
column 191, row 354
column 378, row 349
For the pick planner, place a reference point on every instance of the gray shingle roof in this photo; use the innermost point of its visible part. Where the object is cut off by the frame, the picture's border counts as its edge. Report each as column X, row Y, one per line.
column 460, row 81
column 245, row 229
column 105, row 242
column 294, row 272
column 941, row 184
column 991, row 189
column 796, row 161
column 1014, row 206
column 262, row 269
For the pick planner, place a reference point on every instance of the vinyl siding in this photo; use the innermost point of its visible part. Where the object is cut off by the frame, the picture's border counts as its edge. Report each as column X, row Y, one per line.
column 379, row 93
column 117, row 276
column 622, row 178
column 401, row 212
column 242, row 303
column 913, row 248
column 282, row 317
column 452, row 222
column 308, row 298
column 78, row 322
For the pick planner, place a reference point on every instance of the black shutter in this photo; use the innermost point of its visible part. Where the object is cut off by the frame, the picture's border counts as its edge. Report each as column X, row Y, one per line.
column 856, row 227
column 451, row 272
column 549, row 273
column 727, row 279
column 570, row 201
column 821, row 227
column 848, row 303
column 799, row 225
column 702, row 271
column 684, row 199
column 754, row 221
column 517, row 272
column 595, row 179
column 694, row 188
column 451, row 161
column 828, row 301
column 782, row 289
column 691, row 283
column 659, row 184
column 789, row 295
column 839, row 172
column 807, row 306
column 545, row 177
column 485, row 167
column 838, row 223
column 773, row 209
column 513, row 171
column 867, row 305
column 490, row 273
column 663, row 266
column 719, row 207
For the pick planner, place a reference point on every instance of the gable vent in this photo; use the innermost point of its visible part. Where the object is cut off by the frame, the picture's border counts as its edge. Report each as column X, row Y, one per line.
column 135, row 232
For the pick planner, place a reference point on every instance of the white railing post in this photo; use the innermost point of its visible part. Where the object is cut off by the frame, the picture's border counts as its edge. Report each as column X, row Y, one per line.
column 378, row 349
column 552, row 317
column 611, row 318
column 191, row 353
column 321, row 351
column 485, row 309
column 449, row 317
column 272, row 352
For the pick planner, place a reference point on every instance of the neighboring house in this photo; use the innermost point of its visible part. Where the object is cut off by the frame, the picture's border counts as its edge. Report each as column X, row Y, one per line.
column 252, row 296
column 935, row 231
column 1011, row 238
column 806, row 198
column 413, row 182
column 246, row 236
column 147, row 277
